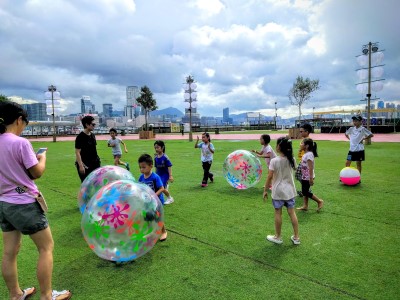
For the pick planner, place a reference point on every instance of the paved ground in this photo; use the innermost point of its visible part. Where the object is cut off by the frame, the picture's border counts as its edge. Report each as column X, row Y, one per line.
column 390, row 137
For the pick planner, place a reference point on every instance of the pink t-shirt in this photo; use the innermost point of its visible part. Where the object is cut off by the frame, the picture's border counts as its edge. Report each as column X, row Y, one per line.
column 17, row 156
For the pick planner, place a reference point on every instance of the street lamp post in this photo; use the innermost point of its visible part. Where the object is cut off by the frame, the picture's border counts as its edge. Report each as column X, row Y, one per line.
column 276, row 114
column 190, row 98
column 52, row 89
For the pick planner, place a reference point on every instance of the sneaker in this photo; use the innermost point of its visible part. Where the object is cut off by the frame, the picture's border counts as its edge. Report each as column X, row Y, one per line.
column 273, row 239
column 295, row 241
column 169, row 200
column 127, row 167
column 62, row 295
column 204, row 184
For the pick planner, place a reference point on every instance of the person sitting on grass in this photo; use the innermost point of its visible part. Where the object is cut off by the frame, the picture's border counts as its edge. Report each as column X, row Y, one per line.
column 153, row 181
column 115, row 144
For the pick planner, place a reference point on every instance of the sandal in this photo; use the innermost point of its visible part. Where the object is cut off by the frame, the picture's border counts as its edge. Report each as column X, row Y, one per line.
column 302, row 208
column 27, row 293
column 61, row 295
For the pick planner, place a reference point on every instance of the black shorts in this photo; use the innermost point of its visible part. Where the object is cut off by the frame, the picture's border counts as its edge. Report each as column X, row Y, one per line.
column 356, row 156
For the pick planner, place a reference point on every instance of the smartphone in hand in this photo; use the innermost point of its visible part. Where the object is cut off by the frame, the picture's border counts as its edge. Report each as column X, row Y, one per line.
column 41, row 150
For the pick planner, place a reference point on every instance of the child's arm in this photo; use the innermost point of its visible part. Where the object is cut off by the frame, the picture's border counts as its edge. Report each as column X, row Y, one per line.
column 171, row 179
column 256, row 152
column 268, row 184
column 197, row 142
column 211, row 148
column 310, row 165
column 122, row 142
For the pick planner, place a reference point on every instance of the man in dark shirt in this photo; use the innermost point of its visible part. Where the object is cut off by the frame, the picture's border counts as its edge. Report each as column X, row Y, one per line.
column 87, row 159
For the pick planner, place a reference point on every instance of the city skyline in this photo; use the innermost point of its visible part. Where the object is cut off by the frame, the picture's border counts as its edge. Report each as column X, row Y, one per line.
column 242, row 54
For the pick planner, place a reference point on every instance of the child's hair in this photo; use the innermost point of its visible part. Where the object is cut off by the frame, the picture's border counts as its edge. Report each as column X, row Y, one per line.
column 146, row 158
column 285, row 147
column 9, row 112
column 207, row 136
column 161, row 144
column 87, row 120
column 266, row 138
column 307, row 127
column 113, row 130
column 312, row 146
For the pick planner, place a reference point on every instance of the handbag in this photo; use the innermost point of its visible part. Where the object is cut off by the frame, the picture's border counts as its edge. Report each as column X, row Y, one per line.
column 298, row 173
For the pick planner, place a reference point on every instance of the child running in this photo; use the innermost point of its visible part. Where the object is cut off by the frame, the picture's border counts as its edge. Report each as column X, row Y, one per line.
column 153, row 181
column 207, row 152
column 307, row 173
column 283, row 190
column 115, row 144
column 163, row 168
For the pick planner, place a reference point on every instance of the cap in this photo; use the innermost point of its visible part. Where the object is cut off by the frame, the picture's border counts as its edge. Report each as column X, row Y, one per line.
column 357, row 117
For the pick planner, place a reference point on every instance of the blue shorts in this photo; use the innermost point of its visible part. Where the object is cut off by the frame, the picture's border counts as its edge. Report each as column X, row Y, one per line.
column 26, row 218
column 279, row 203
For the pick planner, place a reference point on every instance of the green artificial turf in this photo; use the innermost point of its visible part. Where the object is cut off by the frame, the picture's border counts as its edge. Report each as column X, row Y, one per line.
column 216, row 247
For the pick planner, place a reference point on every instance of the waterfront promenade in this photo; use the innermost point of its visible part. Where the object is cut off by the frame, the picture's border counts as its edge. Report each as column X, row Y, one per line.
column 379, row 137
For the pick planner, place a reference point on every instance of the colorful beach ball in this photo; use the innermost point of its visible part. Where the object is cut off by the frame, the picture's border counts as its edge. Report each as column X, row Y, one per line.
column 123, row 221
column 99, row 178
column 242, row 169
column 350, row 176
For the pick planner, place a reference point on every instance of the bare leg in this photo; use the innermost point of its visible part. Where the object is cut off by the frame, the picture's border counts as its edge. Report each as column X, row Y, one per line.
column 359, row 166
column 295, row 223
column 348, row 163
column 278, row 222
column 319, row 201
column 305, row 204
column 11, row 246
column 44, row 243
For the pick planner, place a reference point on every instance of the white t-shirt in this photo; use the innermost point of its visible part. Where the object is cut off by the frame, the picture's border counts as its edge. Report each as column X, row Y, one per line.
column 268, row 149
column 356, row 135
column 283, row 187
column 116, row 146
column 305, row 171
column 206, row 154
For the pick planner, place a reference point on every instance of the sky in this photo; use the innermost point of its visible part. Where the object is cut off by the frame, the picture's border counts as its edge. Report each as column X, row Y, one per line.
column 243, row 54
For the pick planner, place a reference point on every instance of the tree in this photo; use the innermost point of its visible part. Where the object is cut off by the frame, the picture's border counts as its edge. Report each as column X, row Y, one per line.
column 147, row 102
column 3, row 98
column 301, row 91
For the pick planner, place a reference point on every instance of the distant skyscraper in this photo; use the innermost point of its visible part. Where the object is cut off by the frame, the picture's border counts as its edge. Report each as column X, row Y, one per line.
column 381, row 104
column 225, row 116
column 86, row 105
column 36, row 111
column 132, row 110
column 107, row 110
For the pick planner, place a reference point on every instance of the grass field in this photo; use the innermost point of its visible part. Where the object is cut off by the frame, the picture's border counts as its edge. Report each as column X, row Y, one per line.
column 216, row 246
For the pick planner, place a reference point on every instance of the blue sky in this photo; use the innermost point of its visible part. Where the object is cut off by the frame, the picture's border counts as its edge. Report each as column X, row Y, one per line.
column 243, row 54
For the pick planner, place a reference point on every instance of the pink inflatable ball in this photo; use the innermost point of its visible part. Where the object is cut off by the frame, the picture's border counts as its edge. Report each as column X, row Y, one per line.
column 99, row 178
column 350, row 176
column 122, row 221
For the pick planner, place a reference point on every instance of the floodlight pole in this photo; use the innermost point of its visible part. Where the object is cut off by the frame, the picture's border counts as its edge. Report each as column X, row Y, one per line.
column 52, row 89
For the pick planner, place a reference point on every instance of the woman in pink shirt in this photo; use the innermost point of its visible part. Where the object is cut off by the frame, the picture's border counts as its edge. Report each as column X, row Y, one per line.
column 20, row 213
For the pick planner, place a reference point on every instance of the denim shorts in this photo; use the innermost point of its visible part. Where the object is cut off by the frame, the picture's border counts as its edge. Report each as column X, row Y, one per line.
column 279, row 203
column 26, row 218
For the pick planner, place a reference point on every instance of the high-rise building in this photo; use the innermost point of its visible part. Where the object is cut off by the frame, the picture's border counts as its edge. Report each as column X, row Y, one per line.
column 36, row 111
column 381, row 104
column 132, row 110
column 87, row 107
column 225, row 116
column 107, row 110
